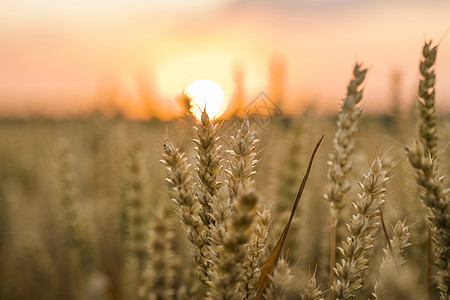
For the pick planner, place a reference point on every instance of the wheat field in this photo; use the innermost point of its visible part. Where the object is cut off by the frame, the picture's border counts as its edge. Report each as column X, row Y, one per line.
column 98, row 208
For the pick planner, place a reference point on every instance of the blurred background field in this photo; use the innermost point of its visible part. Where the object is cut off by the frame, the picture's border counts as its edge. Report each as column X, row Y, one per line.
column 36, row 250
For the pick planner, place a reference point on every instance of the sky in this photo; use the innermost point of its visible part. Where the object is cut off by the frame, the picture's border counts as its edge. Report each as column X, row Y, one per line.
column 65, row 58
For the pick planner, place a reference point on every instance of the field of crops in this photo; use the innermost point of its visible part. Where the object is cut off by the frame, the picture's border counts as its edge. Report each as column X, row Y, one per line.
column 101, row 208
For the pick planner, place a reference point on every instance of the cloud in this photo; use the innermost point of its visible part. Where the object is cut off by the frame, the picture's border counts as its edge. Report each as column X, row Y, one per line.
column 295, row 6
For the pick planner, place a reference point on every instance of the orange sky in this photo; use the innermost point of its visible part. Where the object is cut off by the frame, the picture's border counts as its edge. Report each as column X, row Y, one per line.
column 68, row 57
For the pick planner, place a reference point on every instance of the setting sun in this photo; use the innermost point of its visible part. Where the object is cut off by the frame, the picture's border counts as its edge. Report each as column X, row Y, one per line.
column 207, row 94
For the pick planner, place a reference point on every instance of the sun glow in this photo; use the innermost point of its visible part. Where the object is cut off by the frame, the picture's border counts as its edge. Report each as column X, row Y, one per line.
column 206, row 94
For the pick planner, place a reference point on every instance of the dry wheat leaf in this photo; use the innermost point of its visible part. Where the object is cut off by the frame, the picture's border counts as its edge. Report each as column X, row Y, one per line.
column 271, row 261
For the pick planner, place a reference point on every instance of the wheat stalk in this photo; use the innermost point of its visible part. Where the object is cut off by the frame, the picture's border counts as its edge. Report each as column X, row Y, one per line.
column 423, row 158
column 427, row 125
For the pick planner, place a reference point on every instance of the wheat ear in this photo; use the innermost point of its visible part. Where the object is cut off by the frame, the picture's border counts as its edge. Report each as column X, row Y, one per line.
column 134, row 195
column 221, row 213
column 158, row 277
column 312, row 291
column 75, row 230
column 392, row 257
column 362, row 228
column 255, row 258
column 242, row 160
column 340, row 162
column 228, row 268
column 182, row 185
column 427, row 127
column 435, row 196
column 209, row 164
column 220, row 216
column 279, row 281
column 241, row 169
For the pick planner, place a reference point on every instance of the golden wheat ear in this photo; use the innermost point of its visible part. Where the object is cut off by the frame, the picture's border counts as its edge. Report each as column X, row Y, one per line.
column 269, row 265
